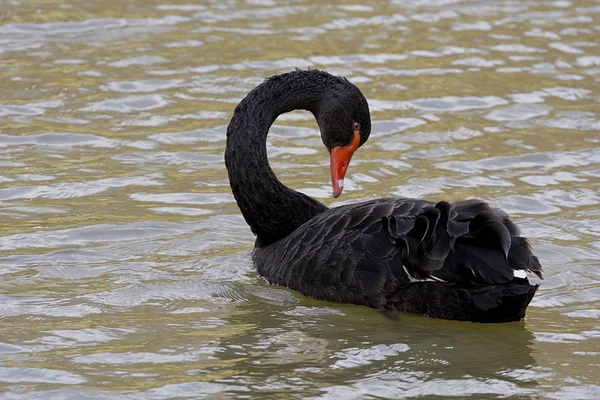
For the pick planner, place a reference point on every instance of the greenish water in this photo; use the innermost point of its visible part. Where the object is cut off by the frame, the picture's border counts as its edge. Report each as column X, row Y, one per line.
column 125, row 263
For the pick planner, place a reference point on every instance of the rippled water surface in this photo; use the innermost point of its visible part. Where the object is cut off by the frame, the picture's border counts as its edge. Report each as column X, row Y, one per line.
column 124, row 261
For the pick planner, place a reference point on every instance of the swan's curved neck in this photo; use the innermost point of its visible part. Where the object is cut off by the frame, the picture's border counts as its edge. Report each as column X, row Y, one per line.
column 271, row 209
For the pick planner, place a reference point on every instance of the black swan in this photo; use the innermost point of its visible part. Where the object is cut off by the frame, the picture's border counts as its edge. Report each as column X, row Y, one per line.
column 462, row 261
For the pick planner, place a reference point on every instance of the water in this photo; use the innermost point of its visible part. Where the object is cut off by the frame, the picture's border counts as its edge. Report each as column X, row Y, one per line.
column 125, row 262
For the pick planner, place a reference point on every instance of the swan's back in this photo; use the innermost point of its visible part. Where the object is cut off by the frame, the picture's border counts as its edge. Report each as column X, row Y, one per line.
column 460, row 260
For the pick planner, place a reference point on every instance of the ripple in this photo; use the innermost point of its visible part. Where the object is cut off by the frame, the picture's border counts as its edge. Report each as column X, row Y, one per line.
column 276, row 151
column 452, row 103
column 549, row 201
column 86, row 335
column 461, row 133
column 525, row 205
column 387, row 127
column 553, row 179
column 28, row 178
column 582, row 225
column 567, row 93
column 181, row 211
column 389, row 388
column 191, row 389
column 198, row 160
column 474, row 26
column 588, row 61
column 150, row 85
column 180, row 7
column 520, row 112
column 576, row 392
column 69, row 140
column 191, row 310
column 145, row 358
column 183, row 198
column 93, row 234
column 477, row 62
column 253, row 14
column 536, row 229
column 439, row 153
column 547, row 161
column 537, row 32
column 27, row 36
column 565, row 48
column 215, row 134
column 286, row 63
column 138, row 294
column 184, row 43
column 517, row 48
column 302, row 311
column 53, row 28
column 442, row 104
column 141, row 60
column 29, row 109
column 13, row 306
column 434, row 16
column 354, row 357
column 376, row 58
column 69, row 190
column 419, row 187
column 129, row 104
column 554, row 337
column 21, row 212
column 344, row 23
column 323, row 192
column 572, row 120
column 539, row 96
column 381, row 71
column 39, row 375
column 593, row 314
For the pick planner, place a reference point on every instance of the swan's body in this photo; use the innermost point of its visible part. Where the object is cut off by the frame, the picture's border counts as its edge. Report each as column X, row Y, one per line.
column 462, row 260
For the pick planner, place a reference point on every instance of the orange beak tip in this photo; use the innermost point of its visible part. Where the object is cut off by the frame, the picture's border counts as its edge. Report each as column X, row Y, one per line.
column 338, row 187
column 340, row 159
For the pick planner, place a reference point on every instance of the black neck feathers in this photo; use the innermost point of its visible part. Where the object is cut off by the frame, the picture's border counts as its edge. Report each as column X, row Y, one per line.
column 271, row 209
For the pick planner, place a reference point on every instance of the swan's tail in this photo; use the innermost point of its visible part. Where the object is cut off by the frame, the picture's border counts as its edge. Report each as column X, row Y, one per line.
column 501, row 303
column 504, row 302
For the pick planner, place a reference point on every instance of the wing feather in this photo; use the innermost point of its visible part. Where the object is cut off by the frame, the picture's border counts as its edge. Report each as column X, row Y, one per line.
column 362, row 253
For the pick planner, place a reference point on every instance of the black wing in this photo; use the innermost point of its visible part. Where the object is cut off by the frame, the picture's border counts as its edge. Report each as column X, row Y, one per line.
column 363, row 253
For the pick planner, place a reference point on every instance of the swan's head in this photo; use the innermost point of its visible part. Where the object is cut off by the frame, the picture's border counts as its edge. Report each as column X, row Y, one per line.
column 345, row 124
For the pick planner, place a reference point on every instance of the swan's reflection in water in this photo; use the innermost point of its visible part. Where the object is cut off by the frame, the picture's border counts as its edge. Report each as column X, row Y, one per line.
column 348, row 349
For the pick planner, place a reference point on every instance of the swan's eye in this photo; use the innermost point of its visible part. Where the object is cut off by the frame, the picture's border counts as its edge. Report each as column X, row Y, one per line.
column 356, row 126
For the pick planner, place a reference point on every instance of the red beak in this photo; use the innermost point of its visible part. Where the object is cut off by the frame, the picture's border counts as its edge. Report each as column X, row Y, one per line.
column 340, row 159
